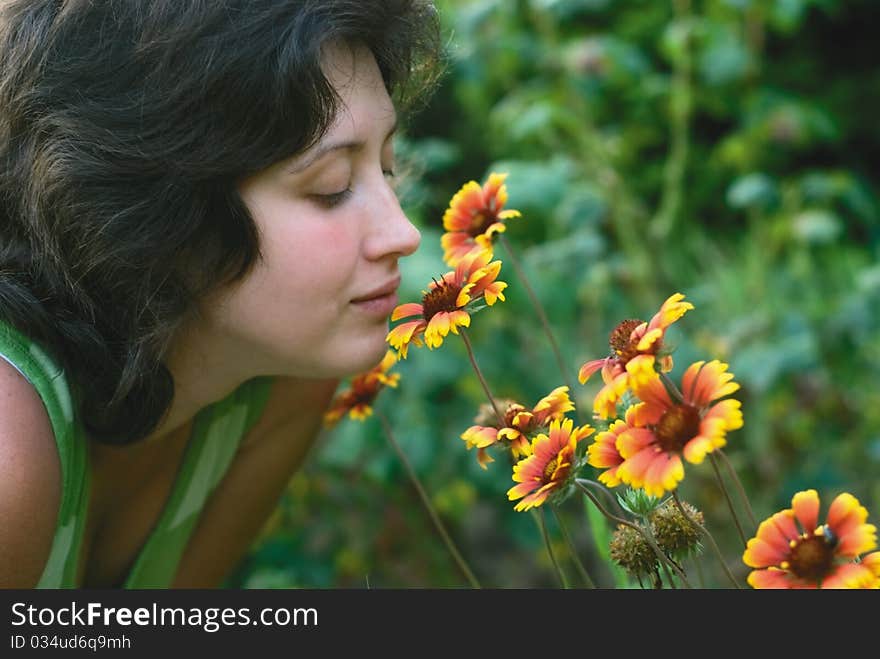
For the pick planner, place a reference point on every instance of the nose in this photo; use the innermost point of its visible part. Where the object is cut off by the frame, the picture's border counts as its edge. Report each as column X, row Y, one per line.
column 392, row 234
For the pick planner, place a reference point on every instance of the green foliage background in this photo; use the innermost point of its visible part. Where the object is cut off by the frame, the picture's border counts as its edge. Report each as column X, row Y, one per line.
column 725, row 149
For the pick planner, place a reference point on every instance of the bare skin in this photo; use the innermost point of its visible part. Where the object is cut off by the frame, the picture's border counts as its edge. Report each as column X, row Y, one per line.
column 130, row 486
column 313, row 310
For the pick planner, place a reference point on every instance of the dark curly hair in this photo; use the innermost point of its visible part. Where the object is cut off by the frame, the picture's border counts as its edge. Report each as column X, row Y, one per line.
column 124, row 128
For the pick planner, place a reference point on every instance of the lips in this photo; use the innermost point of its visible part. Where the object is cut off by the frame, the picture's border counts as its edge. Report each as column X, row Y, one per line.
column 389, row 288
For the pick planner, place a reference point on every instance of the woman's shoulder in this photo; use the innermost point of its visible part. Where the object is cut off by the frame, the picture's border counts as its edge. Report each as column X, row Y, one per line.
column 30, row 480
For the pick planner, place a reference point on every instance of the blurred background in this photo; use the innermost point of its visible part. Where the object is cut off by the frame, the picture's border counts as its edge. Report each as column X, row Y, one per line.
column 725, row 149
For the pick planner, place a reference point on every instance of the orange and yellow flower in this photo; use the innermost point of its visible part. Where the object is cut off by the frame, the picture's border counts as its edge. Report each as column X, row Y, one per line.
column 603, row 453
column 475, row 215
column 792, row 551
column 872, row 562
column 446, row 305
column 357, row 399
column 636, row 352
column 549, row 466
column 518, row 425
column 661, row 431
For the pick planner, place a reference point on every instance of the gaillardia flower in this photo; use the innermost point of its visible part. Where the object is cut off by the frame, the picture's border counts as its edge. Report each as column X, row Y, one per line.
column 603, row 453
column 448, row 303
column 549, row 467
column 662, row 430
column 517, row 426
column 474, row 216
column 636, row 347
column 357, row 399
column 791, row 550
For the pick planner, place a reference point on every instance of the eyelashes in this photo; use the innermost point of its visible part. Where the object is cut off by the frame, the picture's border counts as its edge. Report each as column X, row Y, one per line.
column 333, row 200
column 338, row 198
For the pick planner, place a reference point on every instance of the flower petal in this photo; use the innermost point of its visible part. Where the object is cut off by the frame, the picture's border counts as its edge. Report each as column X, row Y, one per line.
column 770, row 579
column 589, row 368
column 605, row 403
column 633, row 470
column 651, row 390
column 872, row 562
column 806, row 509
column 696, row 449
column 480, row 436
column 704, row 382
column 771, row 544
column 846, row 519
column 850, row 576
column 603, row 453
column 728, row 412
column 402, row 335
column 642, row 414
column 648, row 339
column 664, row 474
column 633, row 440
column 406, row 310
column 670, row 311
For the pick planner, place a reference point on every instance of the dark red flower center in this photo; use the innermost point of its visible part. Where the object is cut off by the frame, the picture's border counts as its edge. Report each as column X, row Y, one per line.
column 622, row 346
column 440, row 298
column 482, row 218
column 365, row 395
column 678, row 425
column 549, row 469
column 510, row 414
column 812, row 558
column 355, row 398
column 480, row 223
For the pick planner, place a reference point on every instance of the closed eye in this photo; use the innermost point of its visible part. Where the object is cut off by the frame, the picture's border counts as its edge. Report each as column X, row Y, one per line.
column 332, row 200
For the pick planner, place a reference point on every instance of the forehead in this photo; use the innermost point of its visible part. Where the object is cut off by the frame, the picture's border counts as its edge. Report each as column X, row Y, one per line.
column 354, row 74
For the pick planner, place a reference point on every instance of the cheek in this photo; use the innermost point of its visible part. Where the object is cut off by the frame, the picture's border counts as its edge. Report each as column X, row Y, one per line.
column 312, row 262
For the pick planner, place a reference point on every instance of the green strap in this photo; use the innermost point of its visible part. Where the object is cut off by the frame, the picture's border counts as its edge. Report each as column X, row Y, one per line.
column 49, row 381
column 216, row 434
column 217, row 431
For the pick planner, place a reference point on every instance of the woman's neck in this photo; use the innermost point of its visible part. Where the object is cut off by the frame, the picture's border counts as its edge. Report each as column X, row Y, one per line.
column 206, row 368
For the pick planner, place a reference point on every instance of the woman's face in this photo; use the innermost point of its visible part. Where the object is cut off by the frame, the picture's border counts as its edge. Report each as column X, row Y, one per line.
column 331, row 232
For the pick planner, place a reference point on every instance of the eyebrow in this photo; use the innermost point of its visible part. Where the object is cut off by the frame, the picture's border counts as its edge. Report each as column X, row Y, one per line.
column 320, row 151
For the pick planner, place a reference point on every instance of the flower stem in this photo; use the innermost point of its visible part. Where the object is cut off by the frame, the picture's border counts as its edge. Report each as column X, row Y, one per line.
column 701, row 580
column 669, row 577
column 470, row 351
column 540, row 519
column 647, row 536
column 681, row 95
column 671, row 389
column 740, row 488
column 539, row 309
column 601, row 535
column 585, row 576
column 709, row 536
column 601, row 488
column 450, row 545
column 742, row 535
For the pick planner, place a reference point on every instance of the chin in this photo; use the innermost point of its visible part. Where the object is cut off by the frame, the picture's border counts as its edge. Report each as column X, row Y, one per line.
column 368, row 359
column 355, row 358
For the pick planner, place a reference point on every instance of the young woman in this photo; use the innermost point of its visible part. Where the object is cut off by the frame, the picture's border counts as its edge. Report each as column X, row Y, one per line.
column 198, row 238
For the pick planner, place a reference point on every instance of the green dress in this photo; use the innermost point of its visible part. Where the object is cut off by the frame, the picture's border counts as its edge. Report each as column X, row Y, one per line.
column 216, row 432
